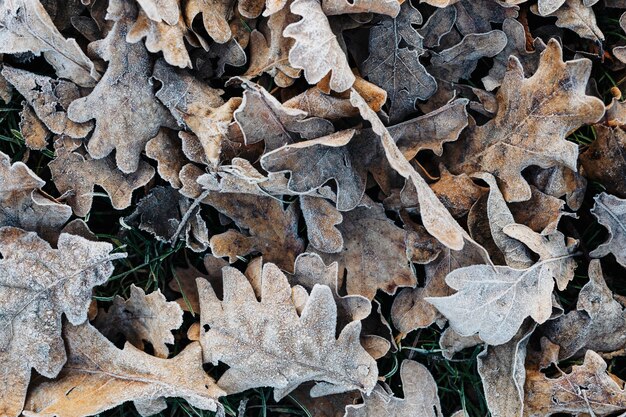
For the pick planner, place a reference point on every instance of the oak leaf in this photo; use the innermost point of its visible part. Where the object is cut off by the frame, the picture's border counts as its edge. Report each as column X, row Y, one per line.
column 285, row 349
column 98, row 376
column 126, row 111
column 38, row 285
column 215, row 16
column 420, row 396
column 604, row 160
column 611, row 213
column 161, row 10
column 142, row 318
column 529, row 127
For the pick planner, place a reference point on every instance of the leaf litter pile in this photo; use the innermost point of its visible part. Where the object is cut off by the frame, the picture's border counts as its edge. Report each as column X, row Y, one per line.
column 323, row 208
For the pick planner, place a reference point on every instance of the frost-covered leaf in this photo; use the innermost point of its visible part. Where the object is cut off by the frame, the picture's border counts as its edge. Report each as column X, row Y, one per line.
column 39, row 284
column 577, row 15
column 142, row 318
column 215, row 16
column 249, row 336
column 604, row 160
column 534, row 116
column 98, row 376
column 611, row 213
column 420, row 396
column 123, row 104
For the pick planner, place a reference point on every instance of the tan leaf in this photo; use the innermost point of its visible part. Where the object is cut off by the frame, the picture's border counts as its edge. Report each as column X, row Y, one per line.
column 166, row 149
column 150, row 318
column 334, row 7
column 74, row 172
column 420, row 396
column 162, row 37
column 410, row 310
column 529, row 127
column 98, row 376
column 25, row 26
column 161, row 10
column 321, row 218
column 269, row 49
column 611, row 213
column 184, row 282
column 50, row 99
column 215, row 16
column 33, row 130
column 316, row 49
column 25, row 205
column 588, row 388
column 452, row 343
column 367, row 232
column 39, row 284
column 327, row 406
column 620, row 51
column 126, row 111
column 272, row 355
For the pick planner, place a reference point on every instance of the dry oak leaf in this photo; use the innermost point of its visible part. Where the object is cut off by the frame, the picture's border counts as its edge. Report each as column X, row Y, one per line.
column 184, row 282
column 166, row 149
column 25, row 26
column 162, row 37
column 269, row 49
column 161, row 10
column 598, row 323
column 327, row 406
column 576, row 15
column 215, row 17
column 452, row 343
column 197, row 106
column 435, row 217
column 476, row 16
column 587, row 390
column 270, row 229
column 78, row 174
column 49, row 99
column 169, row 217
column 493, row 301
column 620, row 51
column 98, row 376
column 393, row 64
column 410, row 310
column 267, row 343
column 262, row 117
column 611, row 213
column 534, row 116
column 24, row 205
column 150, row 318
column 367, row 233
column 316, row 49
column 605, row 159
column 515, row 45
column 33, row 130
column 546, row 7
column 502, row 372
column 39, row 284
column 335, row 7
column 420, row 396
column 126, row 111
column 321, row 218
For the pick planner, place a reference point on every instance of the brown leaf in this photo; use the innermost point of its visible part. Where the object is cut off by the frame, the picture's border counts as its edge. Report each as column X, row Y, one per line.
column 166, row 149
column 184, row 282
column 98, row 376
column 262, row 117
column 49, row 99
column 420, row 396
column 528, row 128
column 597, row 324
column 33, row 130
column 215, row 16
column 161, row 10
column 334, row 7
column 327, row 406
column 74, row 172
column 162, row 37
column 316, row 50
column 588, row 388
column 611, row 212
column 605, row 161
column 578, row 16
column 126, row 111
column 272, row 356
column 25, row 205
column 39, row 285
column 367, row 233
column 321, row 218
column 140, row 318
